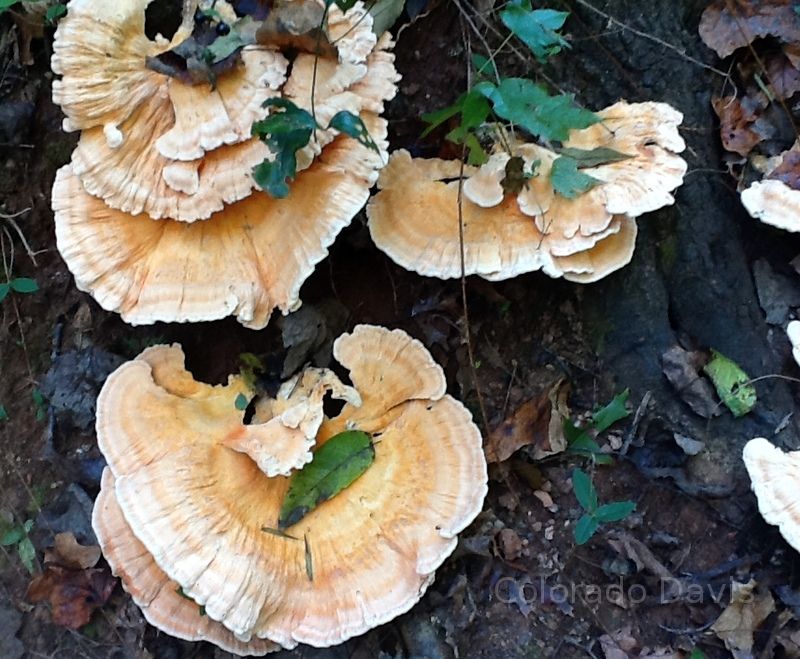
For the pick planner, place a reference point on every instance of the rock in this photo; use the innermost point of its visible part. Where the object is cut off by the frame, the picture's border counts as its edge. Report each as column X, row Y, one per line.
column 73, row 383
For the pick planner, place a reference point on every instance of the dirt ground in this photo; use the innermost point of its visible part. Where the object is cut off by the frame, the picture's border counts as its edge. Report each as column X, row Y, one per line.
column 704, row 276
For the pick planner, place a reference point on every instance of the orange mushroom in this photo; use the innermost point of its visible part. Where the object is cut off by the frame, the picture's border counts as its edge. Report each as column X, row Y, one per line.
column 204, row 511
column 415, row 216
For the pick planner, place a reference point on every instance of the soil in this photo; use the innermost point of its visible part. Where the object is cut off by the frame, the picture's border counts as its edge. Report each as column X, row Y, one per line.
column 691, row 283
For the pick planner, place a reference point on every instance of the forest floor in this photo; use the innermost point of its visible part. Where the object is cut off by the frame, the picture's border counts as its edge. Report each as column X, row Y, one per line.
column 704, row 276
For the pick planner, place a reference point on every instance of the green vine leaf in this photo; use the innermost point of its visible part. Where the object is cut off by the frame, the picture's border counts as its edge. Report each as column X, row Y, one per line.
column 568, row 180
column 537, row 28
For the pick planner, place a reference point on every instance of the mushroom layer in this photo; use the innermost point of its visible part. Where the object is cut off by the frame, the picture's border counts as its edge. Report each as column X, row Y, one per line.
column 159, row 598
column 415, row 216
column 775, row 479
column 246, row 260
column 354, row 562
column 167, row 167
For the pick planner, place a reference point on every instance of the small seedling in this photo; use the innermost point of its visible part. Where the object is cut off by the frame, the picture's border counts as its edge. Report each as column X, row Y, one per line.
column 580, row 441
column 22, row 285
column 16, row 535
column 595, row 514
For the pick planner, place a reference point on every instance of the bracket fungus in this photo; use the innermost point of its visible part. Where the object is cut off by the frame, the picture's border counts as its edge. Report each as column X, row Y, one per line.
column 202, row 514
column 157, row 215
column 775, row 199
column 582, row 237
column 775, row 479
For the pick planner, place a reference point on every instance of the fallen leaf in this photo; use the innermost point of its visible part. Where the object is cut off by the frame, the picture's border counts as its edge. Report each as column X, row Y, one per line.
column 788, row 170
column 74, row 595
column 732, row 384
column 538, row 422
column 740, row 124
column 730, row 24
column 68, row 552
column 681, row 369
column 336, row 464
column 784, row 78
column 298, row 25
column 749, row 607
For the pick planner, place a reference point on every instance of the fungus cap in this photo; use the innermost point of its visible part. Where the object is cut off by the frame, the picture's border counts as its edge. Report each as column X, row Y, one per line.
column 793, row 332
column 775, row 479
column 246, row 260
column 135, row 177
column 773, row 202
column 160, row 599
column 415, row 216
column 363, row 557
column 414, row 219
column 101, row 56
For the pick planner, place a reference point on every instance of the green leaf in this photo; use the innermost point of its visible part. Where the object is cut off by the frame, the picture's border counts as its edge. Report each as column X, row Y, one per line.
column 384, row 14
column 568, row 181
column 27, row 553
column 732, row 384
column 24, row 285
column 55, row 12
column 3, row 413
column 473, row 108
column 336, row 464
column 7, row 4
column 352, row 125
column 5, row 289
column 483, row 65
column 614, row 512
column 241, row 402
column 585, row 528
column 615, row 411
column 242, row 34
column 593, row 157
column 584, row 490
column 538, row 28
column 11, row 535
column 39, row 405
column 284, row 132
column 697, row 653
column 530, row 106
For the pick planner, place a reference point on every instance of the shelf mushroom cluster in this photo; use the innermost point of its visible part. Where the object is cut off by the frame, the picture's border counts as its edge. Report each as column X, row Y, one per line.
column 415, row 216
column 157, row 214
column 775, row 199
column 191, row 495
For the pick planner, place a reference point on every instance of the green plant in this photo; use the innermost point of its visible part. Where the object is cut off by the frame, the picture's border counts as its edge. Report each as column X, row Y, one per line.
column 594, row 514
column 580, row 441
column 505, row 105
column 53, row 13
column 22, row 285
column 286, row 132
column 15, row 535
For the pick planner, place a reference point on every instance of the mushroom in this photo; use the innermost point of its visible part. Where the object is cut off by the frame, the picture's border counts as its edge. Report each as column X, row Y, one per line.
column 773, row 202
column 204, row 511
column 246, row 260
column 185, row 150
column 793, row 332
column 415, row 216
column 774, row 479
column 161, row 600
column 414, row 219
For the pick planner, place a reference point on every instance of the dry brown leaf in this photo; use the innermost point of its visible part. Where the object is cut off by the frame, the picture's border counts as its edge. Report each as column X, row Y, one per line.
column 740, row 124
column 68, row 552
column 538, row 422
column 749, row 607
column 788, row 171
column 296, row 25
column 510, row 544
column 74, row 595
column 784, row 78
column 618, row 644
column 730, row 24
